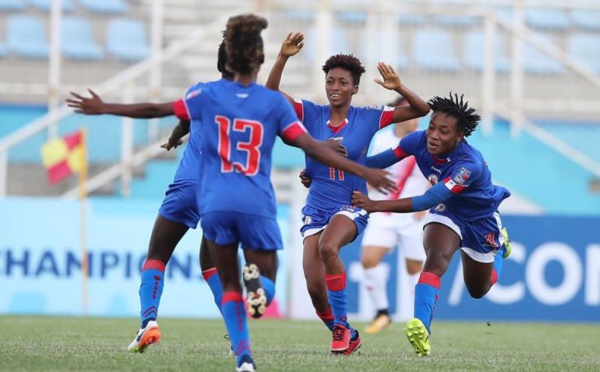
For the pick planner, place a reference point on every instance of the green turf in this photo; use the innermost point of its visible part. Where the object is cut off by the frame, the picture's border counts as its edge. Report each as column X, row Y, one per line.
column 61, row 344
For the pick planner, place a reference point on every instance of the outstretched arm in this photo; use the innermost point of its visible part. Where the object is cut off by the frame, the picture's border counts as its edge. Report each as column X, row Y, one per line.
column 324, row 154
column 384, row 159
column 416, row 108
column 95, row 106
column 290, row 46
column 434, row 196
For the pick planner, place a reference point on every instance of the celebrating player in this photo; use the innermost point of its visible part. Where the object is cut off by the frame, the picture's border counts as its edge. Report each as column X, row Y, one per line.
column 464, row 209
column 330, row 221
column 385, row 231
column 177, row 214
column 239, row 122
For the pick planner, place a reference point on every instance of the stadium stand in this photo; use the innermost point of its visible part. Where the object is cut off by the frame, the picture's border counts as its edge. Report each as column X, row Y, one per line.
column 588, row 19
column 77, row 41
column 585, row 48
column 11, row 5
column 456, row 21
column 26, row 36
column 105, row 6
column 473, row 52
column 537, row 62
column 434, row 50
column 547, row 19
column 126, row 39
column 67, row 5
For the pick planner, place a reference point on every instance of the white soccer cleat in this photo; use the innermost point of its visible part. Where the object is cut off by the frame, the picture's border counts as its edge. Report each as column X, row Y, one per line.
column 145, row 337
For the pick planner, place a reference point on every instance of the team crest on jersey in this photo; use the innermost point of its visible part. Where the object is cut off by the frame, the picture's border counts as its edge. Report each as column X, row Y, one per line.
column 440, row 207
column 433, row 179
column 490, row 240
column 193, row 93
column 307, row 220
column 461, row 176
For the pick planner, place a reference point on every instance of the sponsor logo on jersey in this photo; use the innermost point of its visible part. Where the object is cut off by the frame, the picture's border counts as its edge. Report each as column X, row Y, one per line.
column 374, row 107
column 433, row 179
column 242, row 95
column 462, row 175
column 436, row 170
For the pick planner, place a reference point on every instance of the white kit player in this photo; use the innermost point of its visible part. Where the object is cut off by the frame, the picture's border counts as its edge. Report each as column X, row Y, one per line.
column 386, row 231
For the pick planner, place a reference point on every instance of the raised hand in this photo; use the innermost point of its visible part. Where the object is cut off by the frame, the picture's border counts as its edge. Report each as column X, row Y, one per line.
column 88, row 106
column 292, row 44
column 391, row 79
column 362, row 201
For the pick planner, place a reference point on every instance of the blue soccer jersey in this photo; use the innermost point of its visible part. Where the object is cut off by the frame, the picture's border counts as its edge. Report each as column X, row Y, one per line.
column 464, row 172
column 332, row 187
column 238, row 125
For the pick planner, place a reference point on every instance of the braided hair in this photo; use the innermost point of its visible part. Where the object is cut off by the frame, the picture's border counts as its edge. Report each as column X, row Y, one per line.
column 347, row 62
column 243, row 43
column 466, row 118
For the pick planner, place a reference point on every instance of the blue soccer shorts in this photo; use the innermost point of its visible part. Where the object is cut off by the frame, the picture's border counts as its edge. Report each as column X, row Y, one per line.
column 179, row 204
column 315, row 220
column 480, row 239
column 252, row 231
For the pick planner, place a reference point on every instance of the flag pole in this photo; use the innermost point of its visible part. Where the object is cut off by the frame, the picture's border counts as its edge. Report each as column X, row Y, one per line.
column 83, row 220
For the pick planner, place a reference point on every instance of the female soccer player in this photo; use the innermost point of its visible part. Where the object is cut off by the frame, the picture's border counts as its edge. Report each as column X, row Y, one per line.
column 330, row 221
column 239, row 122
column 464, row 209
column 177, row 214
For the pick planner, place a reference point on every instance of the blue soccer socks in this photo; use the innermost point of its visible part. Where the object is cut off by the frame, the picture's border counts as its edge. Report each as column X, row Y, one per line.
column 234, row 315
column 151, row 288
column 426, row 296
column 336, row 291
column 214, row 283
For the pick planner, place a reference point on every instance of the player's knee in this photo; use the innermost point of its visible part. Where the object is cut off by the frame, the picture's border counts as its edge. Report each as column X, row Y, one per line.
column 328, row 251
column 368, row 262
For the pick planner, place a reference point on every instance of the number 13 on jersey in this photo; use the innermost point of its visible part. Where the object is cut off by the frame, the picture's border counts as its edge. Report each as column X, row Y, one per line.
column 250, row 147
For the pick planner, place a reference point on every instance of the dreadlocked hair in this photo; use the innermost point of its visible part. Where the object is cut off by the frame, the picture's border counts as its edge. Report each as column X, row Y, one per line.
column 243, row 43
column 466, row 118
column 347, row 62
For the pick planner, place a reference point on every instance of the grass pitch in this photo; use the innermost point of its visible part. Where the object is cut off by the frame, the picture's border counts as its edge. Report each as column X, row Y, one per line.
column 99, row 344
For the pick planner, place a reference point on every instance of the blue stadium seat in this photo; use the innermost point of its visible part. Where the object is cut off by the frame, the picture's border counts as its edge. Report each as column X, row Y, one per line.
column 433, row 49
column 105, row 6
column 26, row 36
column 338, row 44
column 586, row 19
column 585, row 48
column 474, row 48
column 547, row 19
column 126, row 39
column 10, row 5
column 538, row 63
column 406, row 18
column 351, row 17
column 67, row 5
column 77, row 41
column 396, row 57
column 301, row 15
column 2, row 50
column 456, row 20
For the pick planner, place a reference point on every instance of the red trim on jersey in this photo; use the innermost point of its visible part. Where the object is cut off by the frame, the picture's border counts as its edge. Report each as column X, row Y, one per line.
column 299, row 108
column 207, row 274
column 232, row 297
column 339, row 127
column 181, row 110
column 293, row 131
column 437, row 160
column 400, row 154
column 387, row 118
column 453, row 186
column 430, row 279
column 408, row 169
column 154, row 265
